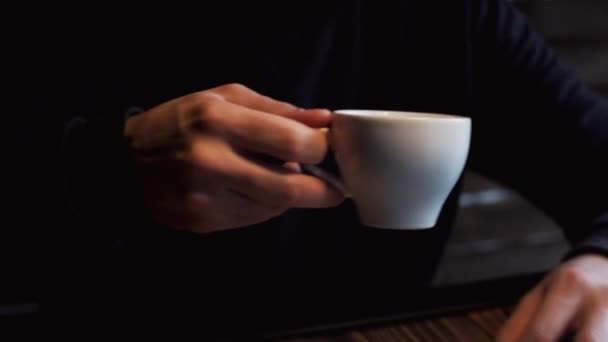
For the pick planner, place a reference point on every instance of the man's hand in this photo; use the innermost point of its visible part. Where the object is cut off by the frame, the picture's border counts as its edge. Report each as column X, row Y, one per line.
column 572, row 298
column 203, row 159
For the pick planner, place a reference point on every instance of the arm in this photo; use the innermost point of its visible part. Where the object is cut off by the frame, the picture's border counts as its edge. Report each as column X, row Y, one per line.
column 541, row 131
column 538, row 128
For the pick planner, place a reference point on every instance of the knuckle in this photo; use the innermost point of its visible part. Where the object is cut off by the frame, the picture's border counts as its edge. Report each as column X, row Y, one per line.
column 233, row 88
column 204, row 95
column 573, row 279
column 206, row 110
column 201, row 112
column 195, row 155
column 199, row 158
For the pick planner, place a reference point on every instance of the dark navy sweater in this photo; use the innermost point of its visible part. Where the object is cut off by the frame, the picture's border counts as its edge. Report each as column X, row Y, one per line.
column 536, row 129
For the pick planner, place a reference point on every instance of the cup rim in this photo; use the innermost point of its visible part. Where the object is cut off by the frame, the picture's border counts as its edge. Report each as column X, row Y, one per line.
column 407, row 115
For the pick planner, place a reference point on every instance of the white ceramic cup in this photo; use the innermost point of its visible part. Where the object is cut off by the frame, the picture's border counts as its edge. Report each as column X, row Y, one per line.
column 398, row 167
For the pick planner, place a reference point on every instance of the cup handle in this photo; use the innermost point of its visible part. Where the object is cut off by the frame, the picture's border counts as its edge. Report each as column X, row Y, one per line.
column 326, row 176
column 318, row 172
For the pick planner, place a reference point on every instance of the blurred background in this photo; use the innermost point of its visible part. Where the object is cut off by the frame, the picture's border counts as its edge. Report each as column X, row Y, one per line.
column 499, row 233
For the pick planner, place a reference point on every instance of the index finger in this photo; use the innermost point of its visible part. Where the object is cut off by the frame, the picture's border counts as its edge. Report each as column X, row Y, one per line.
column 527, row 307
column 246, row 97
column 271, row 135
column 557, row 310
column 595, row 324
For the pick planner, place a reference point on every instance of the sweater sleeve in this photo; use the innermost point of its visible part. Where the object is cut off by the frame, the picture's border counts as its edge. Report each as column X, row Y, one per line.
column 99, row 183
column 537, row 128
column 101, row 195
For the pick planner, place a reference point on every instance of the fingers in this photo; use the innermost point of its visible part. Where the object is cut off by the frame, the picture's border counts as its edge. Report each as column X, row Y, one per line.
column 527, row 307
column 259, row 132
column 559, row 307
column 595, row 324
column 243, row 96
column 285, row 190
column 575, row 300
column 260, row 184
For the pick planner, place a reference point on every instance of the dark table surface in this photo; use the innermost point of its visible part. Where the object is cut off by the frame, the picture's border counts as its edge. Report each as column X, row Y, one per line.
column 471, row 312
column 471, row 326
